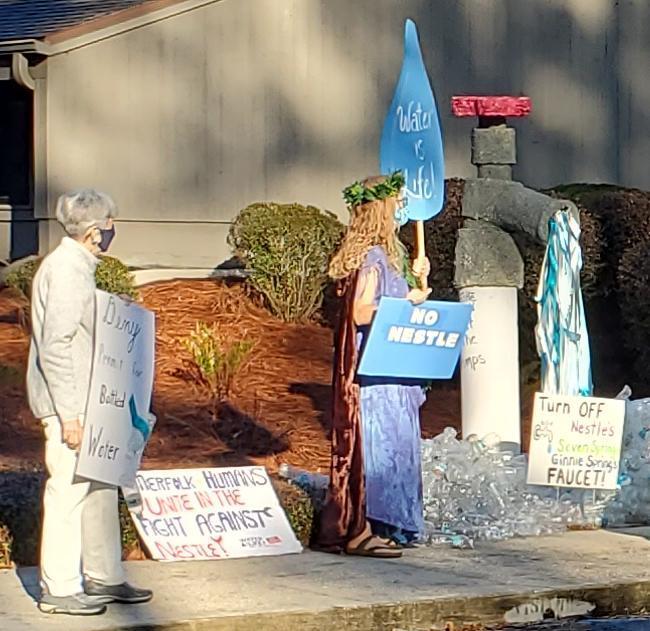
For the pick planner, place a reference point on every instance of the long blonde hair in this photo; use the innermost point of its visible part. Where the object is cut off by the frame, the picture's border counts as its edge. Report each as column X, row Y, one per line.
column 372, row 223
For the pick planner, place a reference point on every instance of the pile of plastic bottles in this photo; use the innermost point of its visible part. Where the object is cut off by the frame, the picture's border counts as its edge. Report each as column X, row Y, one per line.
column 631, row 503
column 473, row 491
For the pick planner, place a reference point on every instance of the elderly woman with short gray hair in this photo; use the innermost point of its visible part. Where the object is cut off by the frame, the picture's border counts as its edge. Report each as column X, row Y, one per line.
column 81, row 569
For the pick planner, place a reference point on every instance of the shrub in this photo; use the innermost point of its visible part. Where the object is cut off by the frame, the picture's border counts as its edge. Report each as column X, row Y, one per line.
column 616, row 230
column 112, row 275
column 216, row 360
column 5, row 547
column 20, row 514
column 298, row 507
column 10, row 376
column 131, row 548
column 21, row 276
column 441, row 234
column 287, row 247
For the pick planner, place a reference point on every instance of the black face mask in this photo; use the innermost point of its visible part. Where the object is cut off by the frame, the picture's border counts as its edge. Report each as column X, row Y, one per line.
column 107, row 237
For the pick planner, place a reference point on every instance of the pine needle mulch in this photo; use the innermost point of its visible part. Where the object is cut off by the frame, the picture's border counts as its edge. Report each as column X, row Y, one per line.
column 280, row 406
column 280, row 401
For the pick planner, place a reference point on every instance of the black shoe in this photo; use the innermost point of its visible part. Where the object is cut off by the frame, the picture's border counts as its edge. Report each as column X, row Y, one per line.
column 77, row 605
column 123, row 593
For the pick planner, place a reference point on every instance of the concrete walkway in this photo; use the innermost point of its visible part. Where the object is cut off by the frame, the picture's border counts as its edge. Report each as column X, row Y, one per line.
column 427, row 587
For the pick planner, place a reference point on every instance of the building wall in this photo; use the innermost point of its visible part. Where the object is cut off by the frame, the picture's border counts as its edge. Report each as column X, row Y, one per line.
column 188, row 120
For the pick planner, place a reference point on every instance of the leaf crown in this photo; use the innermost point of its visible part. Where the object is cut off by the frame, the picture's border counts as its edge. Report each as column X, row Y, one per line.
column 357, row 193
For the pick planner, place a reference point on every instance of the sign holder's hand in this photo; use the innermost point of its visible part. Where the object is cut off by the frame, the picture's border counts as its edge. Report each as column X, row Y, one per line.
column 72, row 434
column 421, row 266
column 417, row 296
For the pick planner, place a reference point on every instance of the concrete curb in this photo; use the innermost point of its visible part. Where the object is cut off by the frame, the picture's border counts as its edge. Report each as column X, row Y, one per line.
column 425, row 615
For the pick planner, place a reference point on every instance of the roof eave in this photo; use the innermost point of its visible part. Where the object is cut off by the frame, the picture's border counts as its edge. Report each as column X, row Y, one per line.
column 25, row 46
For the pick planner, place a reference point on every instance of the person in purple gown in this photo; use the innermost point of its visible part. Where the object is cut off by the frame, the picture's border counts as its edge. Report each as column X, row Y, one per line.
column 374, row 503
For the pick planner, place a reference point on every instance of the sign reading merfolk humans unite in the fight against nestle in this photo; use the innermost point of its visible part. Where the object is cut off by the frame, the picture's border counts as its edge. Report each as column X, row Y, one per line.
column 117, row 423
column 415, row 342
column 576, row 441
column 205, row 514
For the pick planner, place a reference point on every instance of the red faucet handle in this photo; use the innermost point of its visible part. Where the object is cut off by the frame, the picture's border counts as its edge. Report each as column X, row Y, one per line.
column 491, row 106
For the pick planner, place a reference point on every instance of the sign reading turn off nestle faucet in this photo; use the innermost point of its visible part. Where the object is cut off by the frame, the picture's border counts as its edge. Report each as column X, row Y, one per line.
column 576, row 441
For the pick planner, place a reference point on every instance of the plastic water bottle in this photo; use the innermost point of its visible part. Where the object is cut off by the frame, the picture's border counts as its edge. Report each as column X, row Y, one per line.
column 302, row 478
column 133, row 499
column 287, row 471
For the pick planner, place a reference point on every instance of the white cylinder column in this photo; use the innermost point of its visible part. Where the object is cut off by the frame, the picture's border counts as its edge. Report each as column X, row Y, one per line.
column 490, row 366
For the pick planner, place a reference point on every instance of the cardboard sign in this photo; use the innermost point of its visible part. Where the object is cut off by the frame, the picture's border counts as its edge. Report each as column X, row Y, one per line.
column 206, row 514
column 411, row 140
column 576, row 441
column 117, row 425
column 415, row 342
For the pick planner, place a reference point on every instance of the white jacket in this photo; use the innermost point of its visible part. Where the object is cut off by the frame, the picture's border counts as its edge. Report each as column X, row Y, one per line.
column 63, row 323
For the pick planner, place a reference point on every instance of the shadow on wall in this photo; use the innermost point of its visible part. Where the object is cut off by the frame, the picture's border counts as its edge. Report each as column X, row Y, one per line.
column 259, row 100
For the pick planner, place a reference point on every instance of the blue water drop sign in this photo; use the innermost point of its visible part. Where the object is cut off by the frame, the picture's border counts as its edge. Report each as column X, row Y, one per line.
column 411, row 140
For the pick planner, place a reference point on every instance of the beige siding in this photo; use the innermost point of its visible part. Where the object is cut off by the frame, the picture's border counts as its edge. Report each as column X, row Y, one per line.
column 187, row 120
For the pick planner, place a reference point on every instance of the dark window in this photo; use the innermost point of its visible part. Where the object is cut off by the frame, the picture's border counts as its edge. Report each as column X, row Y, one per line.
column 16, row 144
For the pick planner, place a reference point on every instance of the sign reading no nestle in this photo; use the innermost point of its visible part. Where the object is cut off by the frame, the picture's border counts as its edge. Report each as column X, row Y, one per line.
column 576, row 441
column 415, row 342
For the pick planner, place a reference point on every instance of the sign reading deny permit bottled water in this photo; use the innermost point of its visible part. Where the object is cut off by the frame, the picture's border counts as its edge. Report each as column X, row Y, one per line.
column 206, row 514
column 117, row 423
column 576, row 441
column 415, row 342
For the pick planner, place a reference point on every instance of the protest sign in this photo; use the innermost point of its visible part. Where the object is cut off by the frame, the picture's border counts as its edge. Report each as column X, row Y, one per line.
column 415, row 342
column 411, row 139
column 576, row 441
column 204, row 514
column 117, row 423
column 411, row 142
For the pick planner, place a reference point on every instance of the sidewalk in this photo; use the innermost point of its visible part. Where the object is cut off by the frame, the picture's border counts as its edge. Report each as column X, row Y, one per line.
column 315, row 591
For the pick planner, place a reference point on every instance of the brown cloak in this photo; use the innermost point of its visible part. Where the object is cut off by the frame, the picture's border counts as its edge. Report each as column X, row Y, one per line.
column 344, row 514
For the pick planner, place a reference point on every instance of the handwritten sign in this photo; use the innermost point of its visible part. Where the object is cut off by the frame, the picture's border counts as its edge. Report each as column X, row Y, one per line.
column 415, row 342
column 117, row 423
column 576, row 441
column 205, row 514
column 411, row 140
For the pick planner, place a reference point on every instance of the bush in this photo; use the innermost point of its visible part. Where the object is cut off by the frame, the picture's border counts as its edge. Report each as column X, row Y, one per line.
column 5, row 547
column 441, row 234
column 288, row 248
column 111, row 275
column 217, row 361
column 10, row 376
column 298, row 507
column 114, row 277
column 21, row 276
column 20, row 515
column 131, row 547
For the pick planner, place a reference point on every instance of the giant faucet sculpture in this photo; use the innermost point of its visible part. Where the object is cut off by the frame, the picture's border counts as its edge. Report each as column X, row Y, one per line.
column 489, row 268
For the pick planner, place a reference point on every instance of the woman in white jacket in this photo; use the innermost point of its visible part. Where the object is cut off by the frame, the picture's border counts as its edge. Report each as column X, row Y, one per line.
column 81, row 567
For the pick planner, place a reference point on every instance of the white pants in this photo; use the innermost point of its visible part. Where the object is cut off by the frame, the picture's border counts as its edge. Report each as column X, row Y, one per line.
column 81, row 526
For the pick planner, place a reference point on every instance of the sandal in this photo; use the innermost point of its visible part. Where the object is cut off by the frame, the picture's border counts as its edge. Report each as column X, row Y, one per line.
column 378, row 550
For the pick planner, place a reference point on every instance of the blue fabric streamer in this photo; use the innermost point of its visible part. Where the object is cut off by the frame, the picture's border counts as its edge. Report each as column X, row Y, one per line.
column 561, row 331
